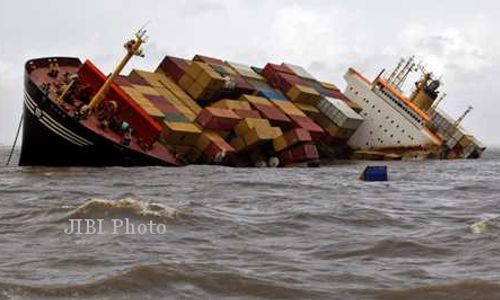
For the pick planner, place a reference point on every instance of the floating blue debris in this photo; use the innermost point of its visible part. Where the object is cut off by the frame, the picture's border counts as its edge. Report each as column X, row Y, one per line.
column 375, row 173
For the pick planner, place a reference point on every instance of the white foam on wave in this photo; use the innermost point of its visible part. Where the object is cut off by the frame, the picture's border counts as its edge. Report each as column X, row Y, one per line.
column 487, row 221
column 133, row 206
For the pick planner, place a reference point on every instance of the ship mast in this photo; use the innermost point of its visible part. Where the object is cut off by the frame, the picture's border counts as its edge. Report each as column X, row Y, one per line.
column 395, row 71
column 133, row 47
column 438, row 101
column 462, row 117
column 400, row 77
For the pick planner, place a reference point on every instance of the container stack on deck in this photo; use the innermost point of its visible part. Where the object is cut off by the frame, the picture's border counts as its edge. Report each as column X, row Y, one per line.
column 213, row 111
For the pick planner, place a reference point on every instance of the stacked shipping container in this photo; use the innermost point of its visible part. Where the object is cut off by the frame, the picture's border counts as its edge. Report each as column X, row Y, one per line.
column 213, row 111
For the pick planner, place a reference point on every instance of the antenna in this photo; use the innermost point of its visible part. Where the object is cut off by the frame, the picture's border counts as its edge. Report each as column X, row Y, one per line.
column 141, row 33
column 403, row 74
column 396, row 70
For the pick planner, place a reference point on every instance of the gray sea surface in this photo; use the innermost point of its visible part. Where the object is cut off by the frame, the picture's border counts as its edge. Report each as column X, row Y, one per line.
column 431, row 232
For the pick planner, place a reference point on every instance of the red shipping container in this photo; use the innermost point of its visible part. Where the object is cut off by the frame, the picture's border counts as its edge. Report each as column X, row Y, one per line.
column 300, row 153
column 217, row 118
column 304, row 122
column 162, row 104
column 173, row 67
column 273, row 114
column 337, row 95
column 305, row 152
column 297, row 135
column 218, row 150
column 134, row 78
column 209, row 60
column 243, row 86
column 122, row 81
column 247, row 113
column 284, row 82
column 270, row 69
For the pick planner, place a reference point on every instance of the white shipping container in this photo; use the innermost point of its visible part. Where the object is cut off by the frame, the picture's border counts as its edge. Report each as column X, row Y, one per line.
column 340, row 113
column 245, row 70
column 299, row 71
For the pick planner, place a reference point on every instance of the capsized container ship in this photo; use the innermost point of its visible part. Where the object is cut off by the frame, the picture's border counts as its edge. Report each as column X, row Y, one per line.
column 210, row 111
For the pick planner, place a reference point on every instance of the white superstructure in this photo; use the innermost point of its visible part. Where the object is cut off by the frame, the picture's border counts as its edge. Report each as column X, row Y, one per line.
column 390, row 121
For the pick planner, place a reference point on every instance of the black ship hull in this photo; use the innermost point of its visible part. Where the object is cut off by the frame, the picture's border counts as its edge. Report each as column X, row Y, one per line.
column 52, row 138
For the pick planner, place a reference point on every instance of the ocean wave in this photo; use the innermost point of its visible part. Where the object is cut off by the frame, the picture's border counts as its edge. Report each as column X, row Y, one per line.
column 168, row 280
column 385, row 248
column 462, row 290
column 102, row 208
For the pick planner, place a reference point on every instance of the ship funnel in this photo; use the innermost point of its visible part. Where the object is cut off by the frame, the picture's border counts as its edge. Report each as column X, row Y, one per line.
column 426, row 92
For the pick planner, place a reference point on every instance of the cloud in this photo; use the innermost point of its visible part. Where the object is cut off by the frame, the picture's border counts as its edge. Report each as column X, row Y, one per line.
column 448, row 50
column 455, row 39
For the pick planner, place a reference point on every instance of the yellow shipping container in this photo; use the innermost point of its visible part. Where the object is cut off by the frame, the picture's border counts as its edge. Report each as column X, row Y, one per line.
column 130, row 91
column 303, row 94
column 165, row 81
column 195, row 69
column 210, row 80
column 195, row 90
column 152, row 78
column 177, row 133
column 288, row 108
column 232, row 104
column 186, row 81
column 189, row 102
column 256, row 136
column 307, row 108
column 146, row 90
column 238, row 144
column 248, row 124
column 153, row 111
column 206, row 138
column 255, row 100
column 280, row 143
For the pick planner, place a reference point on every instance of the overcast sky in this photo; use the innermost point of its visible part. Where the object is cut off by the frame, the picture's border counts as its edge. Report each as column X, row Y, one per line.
column 458, row 40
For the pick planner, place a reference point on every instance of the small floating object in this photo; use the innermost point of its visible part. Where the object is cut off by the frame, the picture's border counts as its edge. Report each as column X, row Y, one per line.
column 374, row 173
column 480, row 226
